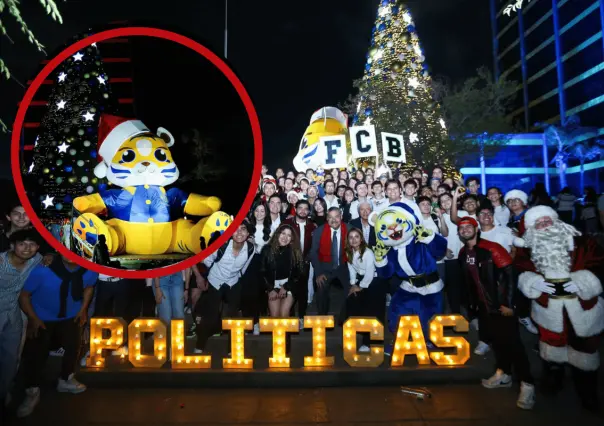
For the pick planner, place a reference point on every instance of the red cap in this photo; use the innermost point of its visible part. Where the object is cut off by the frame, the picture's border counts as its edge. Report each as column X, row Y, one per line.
column 468, row 221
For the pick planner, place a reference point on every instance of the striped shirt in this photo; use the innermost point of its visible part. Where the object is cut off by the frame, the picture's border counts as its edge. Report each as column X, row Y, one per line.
column 11, row 283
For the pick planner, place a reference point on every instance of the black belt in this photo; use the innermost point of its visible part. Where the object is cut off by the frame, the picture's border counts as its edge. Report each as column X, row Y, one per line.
column 560, row 292
column 423, row 280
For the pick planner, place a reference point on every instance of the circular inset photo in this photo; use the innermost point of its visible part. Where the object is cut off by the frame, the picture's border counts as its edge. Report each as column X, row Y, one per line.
column 138, row 149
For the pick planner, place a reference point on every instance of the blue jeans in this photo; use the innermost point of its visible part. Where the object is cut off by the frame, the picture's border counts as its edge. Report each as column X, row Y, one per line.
column 11, row 330
column 172, row 305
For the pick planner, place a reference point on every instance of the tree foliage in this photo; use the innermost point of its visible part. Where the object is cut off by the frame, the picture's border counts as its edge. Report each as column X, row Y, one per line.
column 12, row 8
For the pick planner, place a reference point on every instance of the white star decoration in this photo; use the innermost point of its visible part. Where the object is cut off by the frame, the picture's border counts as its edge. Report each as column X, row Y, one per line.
column 413, row 82
column 77, row 57
column 31, row 167
column 36, row 142
column 413, row 137
column 61, row 104
column 93, row 44
column 442, row 123
column 62, row 77
column 101, row 79
column 63, row 147
column 88, row 116
column 48, row 202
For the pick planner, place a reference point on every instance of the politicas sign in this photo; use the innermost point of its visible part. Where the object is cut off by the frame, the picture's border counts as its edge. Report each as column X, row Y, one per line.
column 409, row 341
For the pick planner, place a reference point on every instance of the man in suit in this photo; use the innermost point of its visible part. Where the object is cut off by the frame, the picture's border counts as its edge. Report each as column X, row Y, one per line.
column 304, row 228
column 328, row 257
column 362, row 223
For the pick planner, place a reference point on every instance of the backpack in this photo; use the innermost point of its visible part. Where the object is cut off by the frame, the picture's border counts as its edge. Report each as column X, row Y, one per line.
column 220, row 252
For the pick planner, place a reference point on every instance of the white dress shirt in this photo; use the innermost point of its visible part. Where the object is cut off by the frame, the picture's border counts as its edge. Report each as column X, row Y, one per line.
column 334, row 203
column 275, row 224
column 302, row 227
column 364, row 267
column 259, row 238
column 338, row 233
column 230, row 267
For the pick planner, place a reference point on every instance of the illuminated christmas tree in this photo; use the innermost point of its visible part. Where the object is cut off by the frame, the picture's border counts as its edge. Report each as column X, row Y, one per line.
column 395, row 92
column 66, row 148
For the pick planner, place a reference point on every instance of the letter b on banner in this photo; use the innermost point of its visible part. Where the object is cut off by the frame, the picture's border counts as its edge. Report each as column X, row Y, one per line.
column 363, row 141
column 334, row 151
column 393, row 147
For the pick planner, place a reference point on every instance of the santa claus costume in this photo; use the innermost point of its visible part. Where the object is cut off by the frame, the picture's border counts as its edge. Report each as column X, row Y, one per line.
column 566, row 305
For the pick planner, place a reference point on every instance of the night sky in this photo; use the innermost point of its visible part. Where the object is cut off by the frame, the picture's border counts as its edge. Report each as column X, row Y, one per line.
column 293, row 57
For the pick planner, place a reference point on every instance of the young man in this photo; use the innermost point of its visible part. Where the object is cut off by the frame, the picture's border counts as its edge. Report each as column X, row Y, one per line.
column 379, row 200
column 17, row 220
column 304, row 228
column 15, row 266
column 274, row 207
column 362, row 224
column 222, row 291
column 393, row 192
column 56, row 300
column 487, row 268
column 502, row 236
column 455, row 291
column 361, row 192
column 469, row 204
column 330, row 195
column 410, row 190
column 473, row 185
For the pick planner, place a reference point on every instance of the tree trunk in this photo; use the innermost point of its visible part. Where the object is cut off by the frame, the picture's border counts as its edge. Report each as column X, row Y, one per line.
column 562, row 173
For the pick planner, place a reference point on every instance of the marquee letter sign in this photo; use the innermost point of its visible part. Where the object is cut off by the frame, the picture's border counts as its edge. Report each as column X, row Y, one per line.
column 355, row 325
column 410, row 340
column 135, row 331
column 334, row 151
column 393, row 148
column 279, row 327
column 363, row 141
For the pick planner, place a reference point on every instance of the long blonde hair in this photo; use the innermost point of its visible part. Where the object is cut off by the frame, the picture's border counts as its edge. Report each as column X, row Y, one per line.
column 362, row 247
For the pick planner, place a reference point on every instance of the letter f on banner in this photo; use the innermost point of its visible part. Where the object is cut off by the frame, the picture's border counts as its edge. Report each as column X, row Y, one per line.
column 393, row 147
column 334, row 151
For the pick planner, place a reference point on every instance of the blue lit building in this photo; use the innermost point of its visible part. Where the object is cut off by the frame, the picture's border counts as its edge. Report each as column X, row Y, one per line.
column 554, row 49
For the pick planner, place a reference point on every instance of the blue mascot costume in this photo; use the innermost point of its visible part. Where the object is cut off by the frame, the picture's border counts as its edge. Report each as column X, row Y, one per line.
column 409, row 252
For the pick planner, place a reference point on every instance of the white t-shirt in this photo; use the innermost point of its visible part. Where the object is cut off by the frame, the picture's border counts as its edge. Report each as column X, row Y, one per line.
column 379, row 204
column 502, row 215
column 501, row 235
column 431, row 225
column 302, row 227
column 334, row 203
column 453, row 241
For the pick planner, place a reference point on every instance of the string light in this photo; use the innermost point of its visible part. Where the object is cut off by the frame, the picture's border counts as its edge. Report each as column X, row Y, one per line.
column 318, row 323
column 135, row 331
column 356, row 325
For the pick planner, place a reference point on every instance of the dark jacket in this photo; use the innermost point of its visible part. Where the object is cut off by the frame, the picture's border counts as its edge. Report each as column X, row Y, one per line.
column 308, row 230
column 268, row 269
column 327, row 269
column 356, row 223
column 496, row 274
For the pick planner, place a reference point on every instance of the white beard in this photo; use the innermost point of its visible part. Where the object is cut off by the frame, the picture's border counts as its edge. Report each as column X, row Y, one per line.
column 550, row 246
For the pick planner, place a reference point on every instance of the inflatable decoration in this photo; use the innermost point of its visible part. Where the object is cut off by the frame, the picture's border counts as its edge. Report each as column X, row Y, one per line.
column 143, row 218
column 328, row 121
column 407, row 250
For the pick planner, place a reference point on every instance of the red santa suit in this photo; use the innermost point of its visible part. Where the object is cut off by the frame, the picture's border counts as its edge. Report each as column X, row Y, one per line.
column 565, row 305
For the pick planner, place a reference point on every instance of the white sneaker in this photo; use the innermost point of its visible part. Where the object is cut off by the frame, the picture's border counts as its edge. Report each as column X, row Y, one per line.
column 482, row 348
column 526, row 399
column 301, row 324
column 197, row 351
column 364, row 349
column 32, row 398
column 59, row 352
column 84, row 358
column 498, row 380
column 70, row 385
column 474, row 324
column 256, row 329
column 528, row 324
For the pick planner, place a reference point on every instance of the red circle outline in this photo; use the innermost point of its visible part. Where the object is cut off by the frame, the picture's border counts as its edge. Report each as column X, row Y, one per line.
column 129, row 32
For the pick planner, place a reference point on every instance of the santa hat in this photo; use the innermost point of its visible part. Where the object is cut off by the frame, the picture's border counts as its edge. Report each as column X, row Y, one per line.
column 113, row 131
column 516, row 193
column 268, row 179
column 533, row 214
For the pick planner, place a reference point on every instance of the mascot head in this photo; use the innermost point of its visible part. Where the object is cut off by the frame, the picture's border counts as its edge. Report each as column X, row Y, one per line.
column 394, row 225
column 131, row 155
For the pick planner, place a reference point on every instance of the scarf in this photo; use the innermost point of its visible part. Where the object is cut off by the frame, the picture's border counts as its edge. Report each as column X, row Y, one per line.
column 69, row 279
column 325, row 244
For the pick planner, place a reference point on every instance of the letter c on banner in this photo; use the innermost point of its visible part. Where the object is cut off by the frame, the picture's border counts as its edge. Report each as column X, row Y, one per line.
column 363, row 141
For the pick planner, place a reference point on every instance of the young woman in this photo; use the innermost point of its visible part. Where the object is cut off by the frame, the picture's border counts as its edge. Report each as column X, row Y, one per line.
column 346, row 202
column 502, row 212
column 319, row 211
column 367, row 294
column 253, row 302
column 281, row 267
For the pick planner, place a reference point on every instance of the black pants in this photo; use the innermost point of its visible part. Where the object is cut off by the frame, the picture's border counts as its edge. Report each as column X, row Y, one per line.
column 254, row 301
column 484, row 328
column 35, row 352
column 323, row 296
column 141, row 302
column 212, row 306
column 507, row 346
column 523, row 305
column 301, row 292
column 369, row 302
column 455, row 289
column 112, row 298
